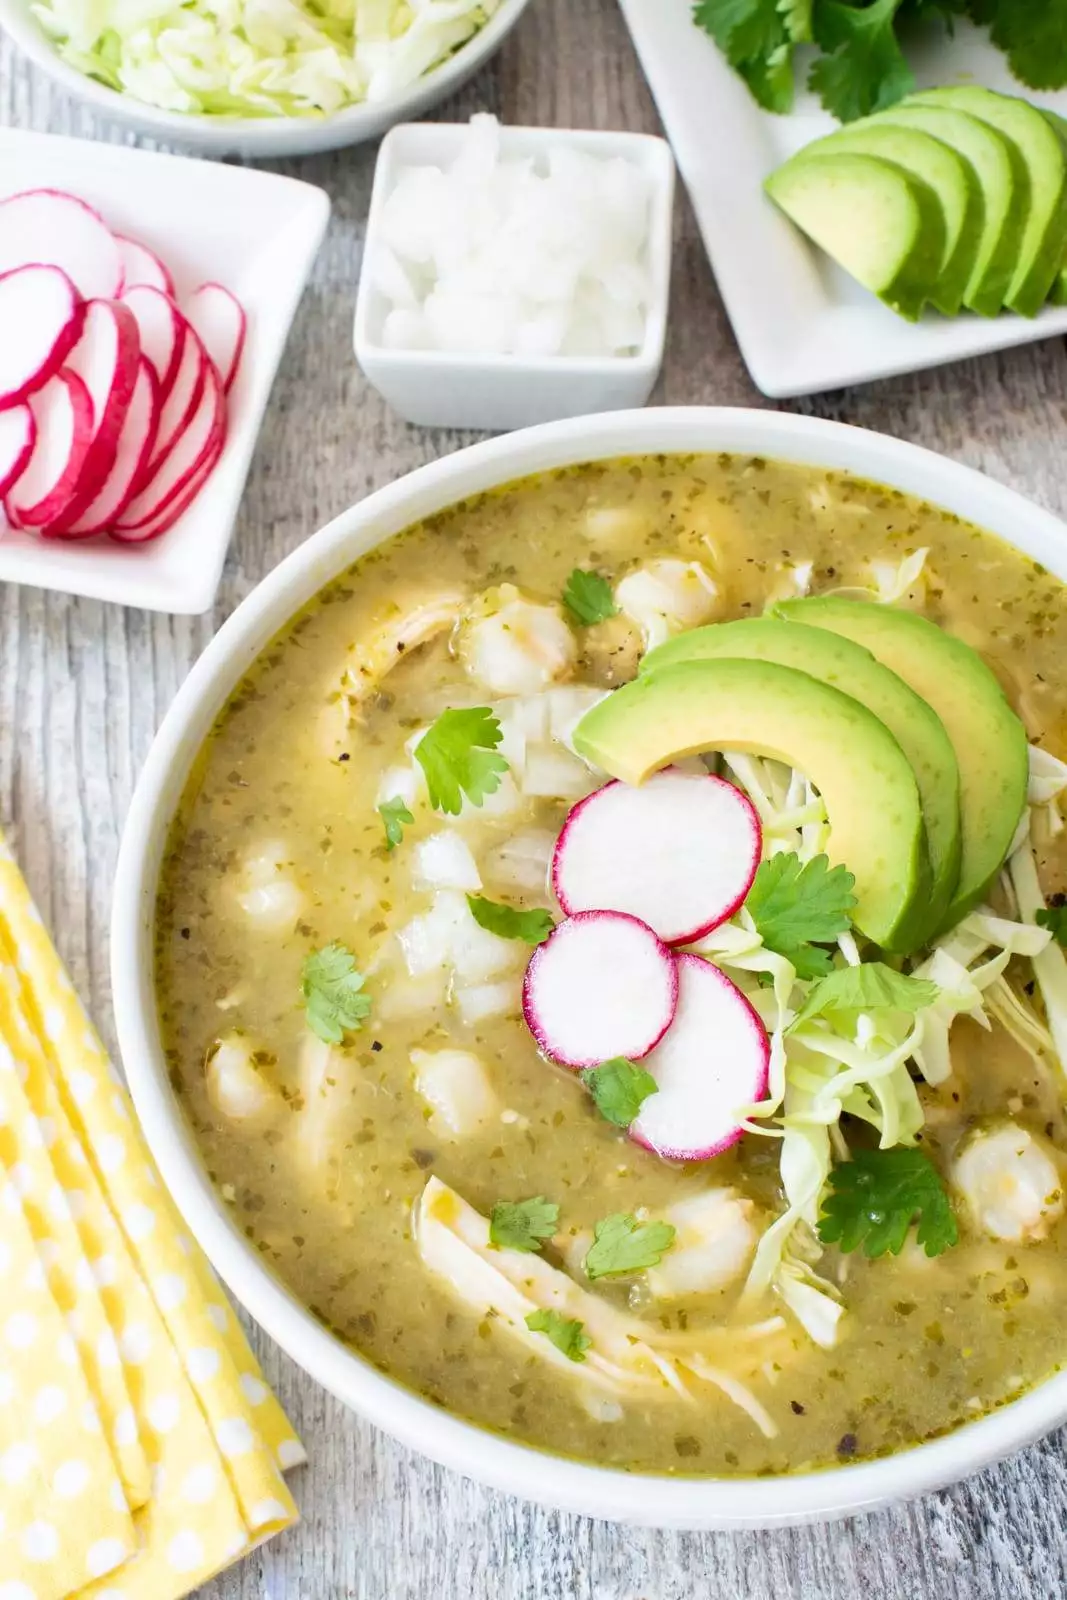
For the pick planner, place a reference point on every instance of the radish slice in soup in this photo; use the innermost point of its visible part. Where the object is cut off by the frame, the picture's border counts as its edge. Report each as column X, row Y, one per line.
column 40, row 314
column 711, row 1064
column 59, row 230
column 679, row 852
column 602, row 985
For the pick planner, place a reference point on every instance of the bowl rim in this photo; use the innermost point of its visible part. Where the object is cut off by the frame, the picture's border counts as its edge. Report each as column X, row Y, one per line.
column 636, row 1498
column 367, row 117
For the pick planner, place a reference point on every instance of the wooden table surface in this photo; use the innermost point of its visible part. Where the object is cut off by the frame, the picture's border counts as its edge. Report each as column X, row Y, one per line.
column 83, row 687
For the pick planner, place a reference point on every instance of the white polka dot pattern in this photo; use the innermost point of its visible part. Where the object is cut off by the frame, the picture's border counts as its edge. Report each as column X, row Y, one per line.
column 148, row 1372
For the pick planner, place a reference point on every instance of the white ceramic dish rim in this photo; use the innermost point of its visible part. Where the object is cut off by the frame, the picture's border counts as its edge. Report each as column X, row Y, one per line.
column 350, row 124
column 574, row 1486
column 519, row 140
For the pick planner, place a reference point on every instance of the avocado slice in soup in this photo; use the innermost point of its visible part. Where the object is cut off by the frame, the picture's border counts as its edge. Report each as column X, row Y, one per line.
column 883, row 225
column 847, row 666
column 864, row 778
column 1004, row 187
column 1044, row 235
column 948, row 174
column 989, row 739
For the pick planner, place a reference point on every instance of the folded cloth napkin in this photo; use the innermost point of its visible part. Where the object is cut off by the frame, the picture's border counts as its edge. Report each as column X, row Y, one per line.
column 140, row 1449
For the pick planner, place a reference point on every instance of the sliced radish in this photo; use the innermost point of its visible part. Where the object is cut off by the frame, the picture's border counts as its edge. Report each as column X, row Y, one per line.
column 177, row 507
column 712, row 1063
column 63, row 413
column 132, row 450
column 40, row 319
column 106, row 359
column 141, row 267
column 219, row 319
column 54, row 229
column 18, row 431
column 679, row 852
column 182, row 402
column 199, row 443
column 162, row 331
column 601, row 985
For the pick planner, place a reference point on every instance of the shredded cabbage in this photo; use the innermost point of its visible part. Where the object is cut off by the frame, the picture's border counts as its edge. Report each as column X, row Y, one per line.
column 259, row 58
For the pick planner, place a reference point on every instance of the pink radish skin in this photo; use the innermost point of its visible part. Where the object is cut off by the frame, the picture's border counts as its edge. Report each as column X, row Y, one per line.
column 106, row 358
column 142, row 268
column 197, row 444
column 18, row 433
column 713, row 1061
column 59, row 230
column 219, row 319
column 181, row 404
column 177, row 508
column 679, row 852
column 63, row 413
column 162, row 329
column 131, row 454
column 601, row 985
column 40, row 315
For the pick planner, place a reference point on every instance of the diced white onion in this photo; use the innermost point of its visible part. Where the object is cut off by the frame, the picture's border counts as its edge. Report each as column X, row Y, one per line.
column 444, row 861
column 488, row 1000
column 455, row 1084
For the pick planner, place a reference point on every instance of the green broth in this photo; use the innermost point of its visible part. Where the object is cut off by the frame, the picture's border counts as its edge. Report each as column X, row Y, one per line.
column 324, row 1185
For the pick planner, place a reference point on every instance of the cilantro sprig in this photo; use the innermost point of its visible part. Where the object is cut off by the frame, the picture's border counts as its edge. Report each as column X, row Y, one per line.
column 458, row 755
column 507, row 922
column 875, row 1198
column 523, row 1224
column 622, row 1245
column 394, row 814
column 797, row 906
column 588, row 597
column 872, row 986
column 619, row 1089
column 334, row 1001
column 566, row 1333
column 1054, row 918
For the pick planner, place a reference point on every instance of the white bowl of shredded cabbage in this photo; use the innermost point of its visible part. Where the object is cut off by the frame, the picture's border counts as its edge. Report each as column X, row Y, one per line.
column 260, row 77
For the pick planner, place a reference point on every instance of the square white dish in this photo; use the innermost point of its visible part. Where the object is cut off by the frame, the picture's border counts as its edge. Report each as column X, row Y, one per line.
column 254, row 232
column 438, row 388
column 801, row 323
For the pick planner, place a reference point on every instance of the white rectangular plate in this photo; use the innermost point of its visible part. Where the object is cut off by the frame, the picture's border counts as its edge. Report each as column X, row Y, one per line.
column 254, row 232
column 802, row 324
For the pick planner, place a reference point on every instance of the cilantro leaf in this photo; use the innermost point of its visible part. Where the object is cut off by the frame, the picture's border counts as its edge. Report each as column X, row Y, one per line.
column 458, row 755
column 877, row 1196
column 522, row 1224
column 508, row 923
column 870, row 987
column 1054, row 918
column 394, row 814
column 863, row 69
column 756, row 37
column 334, row 1002
column 620, row 1089
column 622, row 1245
column 566, row 1333
column 588, row 597
column 795, row 905
column 1033, row 36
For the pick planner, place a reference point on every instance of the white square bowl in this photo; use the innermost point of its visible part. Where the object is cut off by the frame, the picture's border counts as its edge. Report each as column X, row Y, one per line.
column 254, row 232
column 438, row 388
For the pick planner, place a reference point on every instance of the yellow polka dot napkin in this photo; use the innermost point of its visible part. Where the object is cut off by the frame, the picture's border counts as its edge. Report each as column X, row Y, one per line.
column 140, row 1449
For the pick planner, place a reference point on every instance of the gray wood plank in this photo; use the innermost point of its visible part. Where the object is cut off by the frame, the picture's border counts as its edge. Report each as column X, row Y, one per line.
column 83, row 686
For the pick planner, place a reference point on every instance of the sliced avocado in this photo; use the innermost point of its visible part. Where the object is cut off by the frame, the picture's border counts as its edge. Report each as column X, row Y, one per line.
column 1002, row 177
column 1058, row 292
column 884, row 226
column 989, row 739
column 849, row 667
column 948, row 174
column 1044, row 235
column 867, row 786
